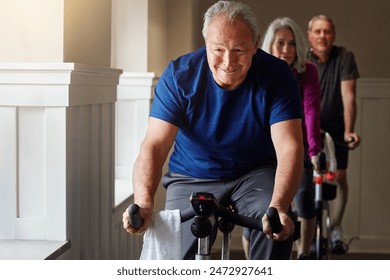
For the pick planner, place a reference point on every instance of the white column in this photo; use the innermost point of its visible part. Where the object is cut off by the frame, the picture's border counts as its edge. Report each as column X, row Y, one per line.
column 135, row 93
column 46, row 141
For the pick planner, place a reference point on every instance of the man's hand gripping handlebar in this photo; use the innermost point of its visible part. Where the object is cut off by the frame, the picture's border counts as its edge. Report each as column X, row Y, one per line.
column 205, row 204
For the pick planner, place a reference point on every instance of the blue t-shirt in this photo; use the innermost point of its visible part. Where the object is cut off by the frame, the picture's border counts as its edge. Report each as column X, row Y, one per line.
column 224, row 133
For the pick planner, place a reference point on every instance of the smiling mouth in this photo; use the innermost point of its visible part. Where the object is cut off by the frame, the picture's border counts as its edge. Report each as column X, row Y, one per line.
column 229, row 71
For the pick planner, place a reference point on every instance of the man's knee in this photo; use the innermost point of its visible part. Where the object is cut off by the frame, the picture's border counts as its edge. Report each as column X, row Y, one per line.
column 342, row 178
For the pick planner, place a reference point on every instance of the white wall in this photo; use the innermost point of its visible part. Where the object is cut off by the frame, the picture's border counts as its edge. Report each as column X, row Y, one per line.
column 158, row 22
column 87, row 32
column 130, row 35
column 31, row 31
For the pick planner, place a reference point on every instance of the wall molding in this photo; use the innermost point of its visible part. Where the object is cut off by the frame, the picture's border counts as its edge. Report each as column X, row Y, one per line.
column 56, row 84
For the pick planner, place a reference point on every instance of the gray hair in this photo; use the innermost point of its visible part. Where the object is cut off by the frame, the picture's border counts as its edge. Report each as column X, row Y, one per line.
column 320, row 17
column 231, row 10
column 300, row 40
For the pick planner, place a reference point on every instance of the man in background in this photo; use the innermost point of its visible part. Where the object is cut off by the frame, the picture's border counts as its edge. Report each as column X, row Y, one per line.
column 338, row 73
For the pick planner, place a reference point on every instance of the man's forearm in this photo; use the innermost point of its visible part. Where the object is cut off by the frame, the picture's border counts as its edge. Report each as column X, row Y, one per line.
column 348, row 89
column 287, row 178
column 146, row 178
column 288, row 142
column 350, row 117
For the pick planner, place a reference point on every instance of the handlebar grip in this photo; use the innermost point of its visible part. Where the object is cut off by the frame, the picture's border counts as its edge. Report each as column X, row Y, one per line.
column 274, row 220
column 322, row 160
column 134, row 216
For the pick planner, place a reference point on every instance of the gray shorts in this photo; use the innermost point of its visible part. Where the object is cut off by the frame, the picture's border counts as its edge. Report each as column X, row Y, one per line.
column 249, row 195
column 304, row 197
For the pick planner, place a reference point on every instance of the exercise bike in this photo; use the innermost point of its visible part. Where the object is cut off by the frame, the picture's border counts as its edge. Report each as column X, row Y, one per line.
column 325, row 191
column 205, row 211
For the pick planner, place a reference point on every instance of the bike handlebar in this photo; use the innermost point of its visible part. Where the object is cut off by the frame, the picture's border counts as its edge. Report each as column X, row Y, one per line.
column 220, row 211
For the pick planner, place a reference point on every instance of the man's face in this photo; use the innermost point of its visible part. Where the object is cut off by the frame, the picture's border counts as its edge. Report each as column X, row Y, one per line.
column 230, row 49
column 321, row 36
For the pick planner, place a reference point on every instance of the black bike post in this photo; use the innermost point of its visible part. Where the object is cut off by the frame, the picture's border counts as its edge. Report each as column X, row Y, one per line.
column 201, row 228
column 319, row 222
column 319, row 205
column 204, row 205
column 226, row 227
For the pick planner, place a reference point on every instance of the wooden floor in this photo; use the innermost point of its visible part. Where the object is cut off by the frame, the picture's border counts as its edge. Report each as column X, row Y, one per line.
column 239, row 255
column 357, row 256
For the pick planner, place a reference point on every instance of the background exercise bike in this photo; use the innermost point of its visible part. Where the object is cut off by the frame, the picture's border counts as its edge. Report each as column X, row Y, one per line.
column 325, row 191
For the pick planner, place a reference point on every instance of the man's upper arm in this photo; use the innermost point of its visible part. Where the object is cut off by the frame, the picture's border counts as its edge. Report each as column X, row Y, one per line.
column 287, row 134
column 348, row 87
column 160, row 134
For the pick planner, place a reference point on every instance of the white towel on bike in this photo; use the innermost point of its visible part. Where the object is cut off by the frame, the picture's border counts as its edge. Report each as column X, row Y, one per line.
column 162, row 240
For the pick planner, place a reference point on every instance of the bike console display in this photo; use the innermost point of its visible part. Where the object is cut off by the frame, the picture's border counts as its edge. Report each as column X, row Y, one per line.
column 203, row 203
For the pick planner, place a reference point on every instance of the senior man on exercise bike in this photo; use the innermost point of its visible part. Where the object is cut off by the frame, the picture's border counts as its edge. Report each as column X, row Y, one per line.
column 234, row 115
